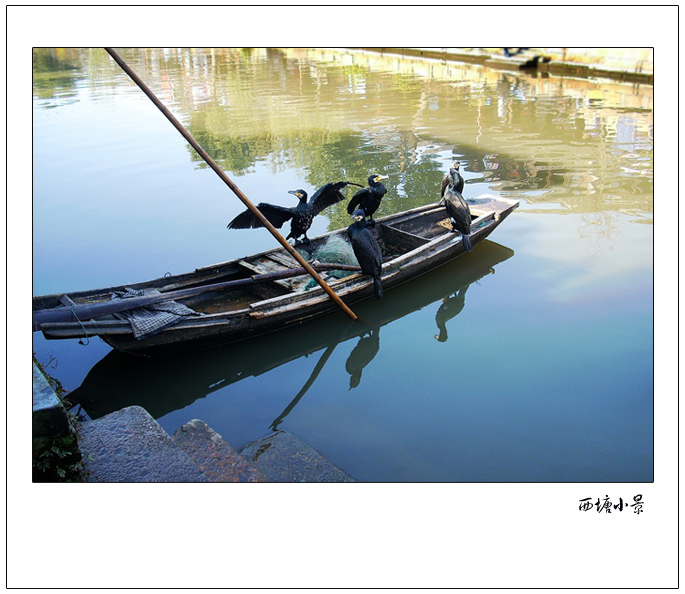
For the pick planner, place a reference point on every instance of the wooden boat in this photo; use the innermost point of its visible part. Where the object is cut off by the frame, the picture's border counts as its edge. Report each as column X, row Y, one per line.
column 413, row 242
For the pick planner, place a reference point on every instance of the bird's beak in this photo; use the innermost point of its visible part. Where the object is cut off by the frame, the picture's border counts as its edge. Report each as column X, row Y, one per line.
column 358, row 218
column 294, row 193
column 380, row 177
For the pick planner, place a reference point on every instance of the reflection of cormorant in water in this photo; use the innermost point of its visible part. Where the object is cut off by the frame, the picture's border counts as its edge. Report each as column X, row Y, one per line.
column 362, row 354
column 360, row 357
column 451, row 307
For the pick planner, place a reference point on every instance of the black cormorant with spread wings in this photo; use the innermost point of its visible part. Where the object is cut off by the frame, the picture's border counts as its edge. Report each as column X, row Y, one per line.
column 458, row 210
column 369, row 199
column 367, row 250
column 302, row 215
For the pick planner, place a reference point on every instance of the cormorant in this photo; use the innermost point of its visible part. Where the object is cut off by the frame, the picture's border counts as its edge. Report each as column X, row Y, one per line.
column 367, row 250
column 458, row 210
column 447, row 180
column 369, row 199
column 302, row 215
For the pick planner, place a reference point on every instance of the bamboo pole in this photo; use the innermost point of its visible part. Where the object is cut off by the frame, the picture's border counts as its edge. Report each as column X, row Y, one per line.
column 235, row 189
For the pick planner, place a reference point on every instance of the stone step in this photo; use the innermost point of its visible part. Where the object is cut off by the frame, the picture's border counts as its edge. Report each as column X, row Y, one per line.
column 284, row 458
column 216, row 458
column 129, row 446
column 49, row 415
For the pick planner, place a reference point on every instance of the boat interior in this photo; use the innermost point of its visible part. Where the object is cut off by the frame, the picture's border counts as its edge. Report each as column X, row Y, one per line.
column 396, row 236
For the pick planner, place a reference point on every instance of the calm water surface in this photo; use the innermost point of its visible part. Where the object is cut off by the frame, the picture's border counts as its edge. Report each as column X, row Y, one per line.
column 530, row 359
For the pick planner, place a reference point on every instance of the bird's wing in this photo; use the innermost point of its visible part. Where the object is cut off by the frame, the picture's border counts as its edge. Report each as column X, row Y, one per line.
column 356, row 200
column 276, row 215
column 326, row 196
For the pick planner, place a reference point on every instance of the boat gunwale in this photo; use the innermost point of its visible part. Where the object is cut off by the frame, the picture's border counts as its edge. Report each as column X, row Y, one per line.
column 357, row 281
column 349, row 286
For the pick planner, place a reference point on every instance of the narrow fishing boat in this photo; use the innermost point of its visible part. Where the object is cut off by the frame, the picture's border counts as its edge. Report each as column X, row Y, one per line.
column 262, row 293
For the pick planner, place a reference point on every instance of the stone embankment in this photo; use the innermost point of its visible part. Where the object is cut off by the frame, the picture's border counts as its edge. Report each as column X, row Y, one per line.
column 129, row 446
column 621, row 64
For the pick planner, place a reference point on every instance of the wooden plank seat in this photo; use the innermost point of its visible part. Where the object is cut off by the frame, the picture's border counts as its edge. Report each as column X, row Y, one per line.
column 266, row 264
column 400, row 239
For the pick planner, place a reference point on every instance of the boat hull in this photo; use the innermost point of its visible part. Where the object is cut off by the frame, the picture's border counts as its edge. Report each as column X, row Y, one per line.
column 420, row 241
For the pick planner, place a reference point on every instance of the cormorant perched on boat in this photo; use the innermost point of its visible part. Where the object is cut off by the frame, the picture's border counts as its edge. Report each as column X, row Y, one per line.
column 302, row 215
column 458, row 210
column 447, row 180
column 367, row 250
column 369, row 199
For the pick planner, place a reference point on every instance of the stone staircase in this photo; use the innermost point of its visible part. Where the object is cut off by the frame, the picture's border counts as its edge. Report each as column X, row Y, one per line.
column 130, row 446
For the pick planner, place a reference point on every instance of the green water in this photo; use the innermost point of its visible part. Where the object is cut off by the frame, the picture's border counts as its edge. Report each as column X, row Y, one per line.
column 543, row 370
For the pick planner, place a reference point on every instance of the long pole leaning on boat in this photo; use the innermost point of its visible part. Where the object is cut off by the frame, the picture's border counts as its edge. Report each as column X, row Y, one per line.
column 235, row 189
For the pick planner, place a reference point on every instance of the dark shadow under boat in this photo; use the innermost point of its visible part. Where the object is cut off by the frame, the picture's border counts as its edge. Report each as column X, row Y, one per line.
column 162, row 385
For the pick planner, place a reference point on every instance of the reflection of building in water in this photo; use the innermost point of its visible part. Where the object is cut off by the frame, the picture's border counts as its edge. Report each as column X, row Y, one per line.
column 587, row 140
column 506, row 174
column 582, row 144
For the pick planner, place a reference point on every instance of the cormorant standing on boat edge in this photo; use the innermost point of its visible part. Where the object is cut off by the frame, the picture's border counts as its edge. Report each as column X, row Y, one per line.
column 367, row 250
column 302, row 215
column 369, row 199
column 458, row 210
column 447, row 180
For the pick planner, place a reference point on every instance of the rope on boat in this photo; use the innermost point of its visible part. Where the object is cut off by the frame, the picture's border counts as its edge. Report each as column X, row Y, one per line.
column 85, row 333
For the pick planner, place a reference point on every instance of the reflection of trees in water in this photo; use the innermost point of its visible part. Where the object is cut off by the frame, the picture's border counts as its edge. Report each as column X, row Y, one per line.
column 55, row 72
column 556, row 141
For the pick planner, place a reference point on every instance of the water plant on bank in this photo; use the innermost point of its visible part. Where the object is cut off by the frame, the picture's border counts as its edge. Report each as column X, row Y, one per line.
column 58, row 458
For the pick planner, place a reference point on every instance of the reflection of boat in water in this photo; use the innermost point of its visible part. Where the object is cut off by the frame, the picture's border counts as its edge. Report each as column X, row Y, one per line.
column 194, row 315
column 161, row 385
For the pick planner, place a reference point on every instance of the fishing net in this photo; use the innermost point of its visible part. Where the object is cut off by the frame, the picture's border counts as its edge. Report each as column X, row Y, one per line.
column 336, row 251
column 149, row 320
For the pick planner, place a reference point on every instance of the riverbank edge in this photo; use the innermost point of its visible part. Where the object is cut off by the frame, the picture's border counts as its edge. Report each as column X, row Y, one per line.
column 130, row 446
column 540, row 60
